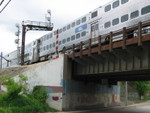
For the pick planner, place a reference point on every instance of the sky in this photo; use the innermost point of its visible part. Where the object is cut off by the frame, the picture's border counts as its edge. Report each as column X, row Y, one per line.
column 62, row 12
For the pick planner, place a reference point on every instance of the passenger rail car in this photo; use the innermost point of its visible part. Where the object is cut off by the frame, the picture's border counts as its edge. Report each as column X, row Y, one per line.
column 105, row 19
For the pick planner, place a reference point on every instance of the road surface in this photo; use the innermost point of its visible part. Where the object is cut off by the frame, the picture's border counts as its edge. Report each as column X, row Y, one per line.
column 137, row 108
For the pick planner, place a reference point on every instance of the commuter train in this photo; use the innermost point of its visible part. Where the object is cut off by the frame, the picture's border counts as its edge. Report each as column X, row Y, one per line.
column 105, row 19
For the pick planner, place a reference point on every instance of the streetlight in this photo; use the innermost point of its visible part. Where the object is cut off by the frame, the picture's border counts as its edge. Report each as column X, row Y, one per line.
column 17, row 33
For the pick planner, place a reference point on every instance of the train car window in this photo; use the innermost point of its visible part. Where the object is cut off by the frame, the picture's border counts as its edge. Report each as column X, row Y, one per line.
column 116, row 4
column 107, row 24
column 60, row 31
column 107, row 8
column 64, row 41
column 64, row 29
column 54, row 44
column 115, row 21
column 41, row 39
column 78, row 36
column 44, row 48
column 50, row 45
column 68, row 39
column 51, row 35
column 96, row 27
column 40, row 49
column 83, row 33
column 83, row 19
column 124, row 1
column 145, row 10
column 78, row 22
column 47, row 47
column 73, row 37
column 93, row 28
column 94, row 14
column 59, row 42
column 73, row 24
column 124, row 18
column 47, row 37
column 68, row 26
column 134, row 14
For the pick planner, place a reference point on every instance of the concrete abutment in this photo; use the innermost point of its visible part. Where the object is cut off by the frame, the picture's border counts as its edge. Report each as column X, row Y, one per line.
column 83, row 94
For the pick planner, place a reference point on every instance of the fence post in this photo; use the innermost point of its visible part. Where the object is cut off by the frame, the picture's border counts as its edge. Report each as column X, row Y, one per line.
column 140, row 34
column 90, row 44
column 81, row 49
column 124, row 38
column 99, row 45
column 110, row 41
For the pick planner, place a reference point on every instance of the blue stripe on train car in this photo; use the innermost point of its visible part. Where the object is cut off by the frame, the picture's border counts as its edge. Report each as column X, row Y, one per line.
column 81, row 28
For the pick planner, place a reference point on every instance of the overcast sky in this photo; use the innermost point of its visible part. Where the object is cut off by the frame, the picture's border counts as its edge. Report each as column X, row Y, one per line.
column 63, row 12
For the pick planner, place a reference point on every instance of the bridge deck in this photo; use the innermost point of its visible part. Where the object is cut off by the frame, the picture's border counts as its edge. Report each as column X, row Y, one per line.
column 106, row 47
column 125, row 59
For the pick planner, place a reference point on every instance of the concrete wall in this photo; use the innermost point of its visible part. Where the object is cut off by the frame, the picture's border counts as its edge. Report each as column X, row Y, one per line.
column 49, row 75
column 83, row 95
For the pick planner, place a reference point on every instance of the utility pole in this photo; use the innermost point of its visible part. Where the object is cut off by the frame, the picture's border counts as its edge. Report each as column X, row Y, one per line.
column 1, row 60
column 126, row 93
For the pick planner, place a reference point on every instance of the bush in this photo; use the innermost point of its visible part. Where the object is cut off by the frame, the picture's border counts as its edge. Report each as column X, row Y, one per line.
column 40, row 94
column 2, row 110
column 18, row 100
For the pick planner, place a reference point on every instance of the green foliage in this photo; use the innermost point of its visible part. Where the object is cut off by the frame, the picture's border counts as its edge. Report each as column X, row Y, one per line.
column 18, row 100
column 2, row 110
column 40, row 94
column 146, row 98
column 143, row 87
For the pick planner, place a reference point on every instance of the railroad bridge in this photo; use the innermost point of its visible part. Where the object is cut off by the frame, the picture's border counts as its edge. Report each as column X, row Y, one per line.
column 87, row 76
column 93, row 68
column 122, row 60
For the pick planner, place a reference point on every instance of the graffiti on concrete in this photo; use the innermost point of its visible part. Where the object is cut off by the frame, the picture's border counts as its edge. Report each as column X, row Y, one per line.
column 87, row 99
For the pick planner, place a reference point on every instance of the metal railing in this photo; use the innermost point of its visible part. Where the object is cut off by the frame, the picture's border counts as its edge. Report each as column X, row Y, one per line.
column 37, row 23
column 135, row 31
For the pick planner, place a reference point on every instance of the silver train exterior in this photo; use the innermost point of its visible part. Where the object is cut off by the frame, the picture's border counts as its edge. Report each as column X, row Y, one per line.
column 105, row 19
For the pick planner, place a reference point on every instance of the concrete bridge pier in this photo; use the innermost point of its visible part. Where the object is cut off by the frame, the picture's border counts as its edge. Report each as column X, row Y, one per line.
column 87, row 93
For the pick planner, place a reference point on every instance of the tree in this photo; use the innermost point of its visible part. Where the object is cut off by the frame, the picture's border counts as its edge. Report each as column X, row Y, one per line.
column 143, row 87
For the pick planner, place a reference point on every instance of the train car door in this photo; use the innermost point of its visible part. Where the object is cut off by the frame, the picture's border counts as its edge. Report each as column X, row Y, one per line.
column 94, row 31
column 35, row 51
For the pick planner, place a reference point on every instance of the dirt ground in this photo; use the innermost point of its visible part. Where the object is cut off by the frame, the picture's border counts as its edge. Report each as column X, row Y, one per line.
column 19, row 69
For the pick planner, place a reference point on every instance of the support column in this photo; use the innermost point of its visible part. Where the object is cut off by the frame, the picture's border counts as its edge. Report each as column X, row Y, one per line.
column 23, row 44
column 1, row 60
column 126, row 93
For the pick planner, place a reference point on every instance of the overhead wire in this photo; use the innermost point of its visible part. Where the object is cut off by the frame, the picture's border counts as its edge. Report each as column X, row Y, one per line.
column 5, row 5
column 1, row 2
